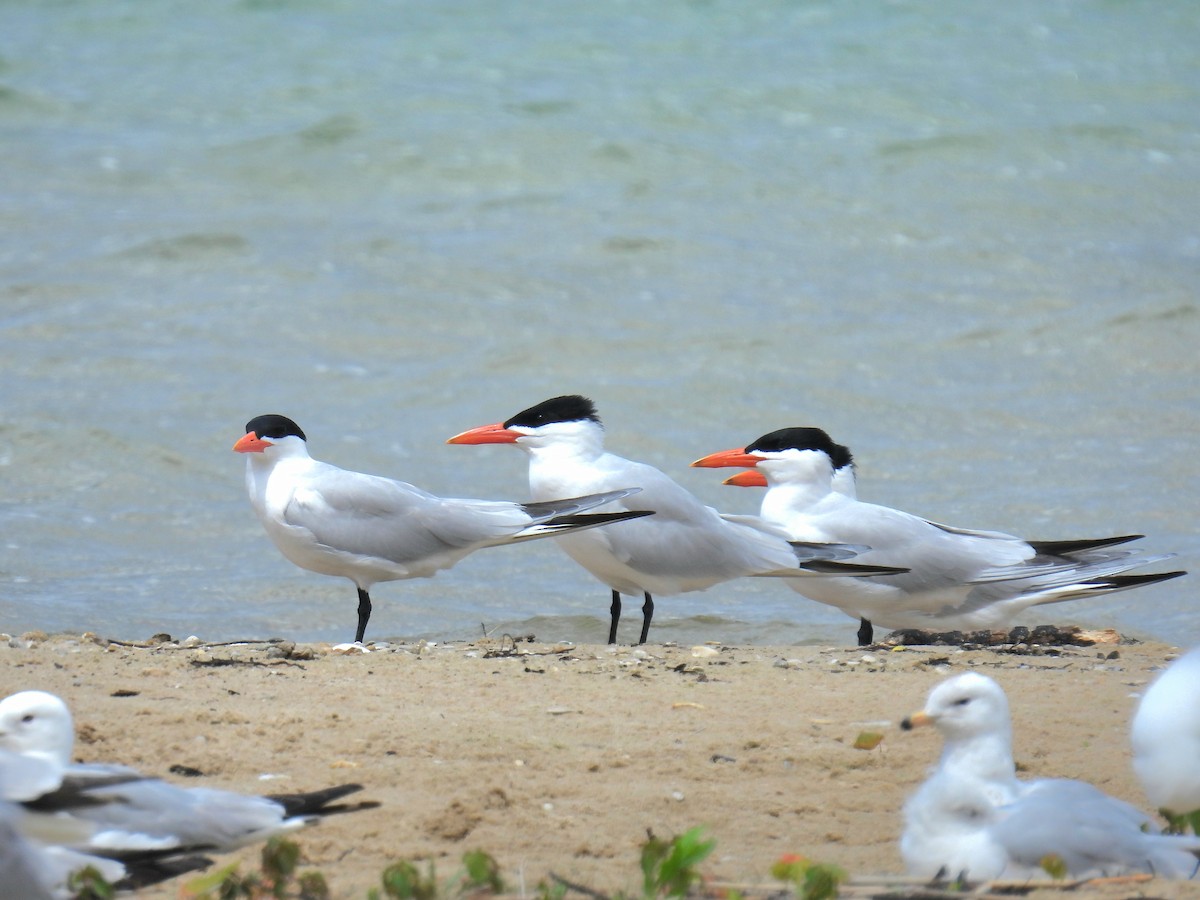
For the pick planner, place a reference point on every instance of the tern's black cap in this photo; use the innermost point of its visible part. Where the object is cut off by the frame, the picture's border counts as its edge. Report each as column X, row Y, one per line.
column 568, row 408
column 803, row 439
column 274, row 426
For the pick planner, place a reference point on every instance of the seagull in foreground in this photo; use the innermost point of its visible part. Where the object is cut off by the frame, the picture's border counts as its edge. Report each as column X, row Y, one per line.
column 686, row 546
column 119, row 813
column 974, row 820
column 33, row 870
column 1166, row 740
column 958, row 579
column 370, row 529
column 36, row 862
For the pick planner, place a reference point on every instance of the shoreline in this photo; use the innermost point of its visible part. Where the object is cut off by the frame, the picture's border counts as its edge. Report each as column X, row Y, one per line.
column 559, row 757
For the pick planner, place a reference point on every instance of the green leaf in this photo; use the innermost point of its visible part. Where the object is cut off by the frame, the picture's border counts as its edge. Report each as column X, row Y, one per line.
column 482, row 871
column 868, row 740
column 312, row 886
column 206, row 884
column 89, row 884
column 403, row 881
column 821, row 882
column 1054, row 866
column 669, row 868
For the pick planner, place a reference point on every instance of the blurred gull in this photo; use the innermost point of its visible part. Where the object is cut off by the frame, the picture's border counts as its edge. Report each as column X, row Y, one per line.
column 974, row 819
column 27, row 870
column 1166, row 738
column 32, row 864
column 128, row 812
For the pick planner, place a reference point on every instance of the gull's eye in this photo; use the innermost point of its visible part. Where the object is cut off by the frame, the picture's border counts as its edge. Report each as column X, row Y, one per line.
column 27, row 718
column 962, row 701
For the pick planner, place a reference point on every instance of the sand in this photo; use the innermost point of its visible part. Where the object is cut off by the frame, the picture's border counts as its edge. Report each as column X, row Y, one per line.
column 559, row 758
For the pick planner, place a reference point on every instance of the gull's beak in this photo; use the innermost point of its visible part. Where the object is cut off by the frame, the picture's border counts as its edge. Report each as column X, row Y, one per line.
column 916, row 720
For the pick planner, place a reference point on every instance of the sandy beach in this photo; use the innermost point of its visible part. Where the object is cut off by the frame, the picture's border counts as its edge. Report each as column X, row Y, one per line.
column 557, row 758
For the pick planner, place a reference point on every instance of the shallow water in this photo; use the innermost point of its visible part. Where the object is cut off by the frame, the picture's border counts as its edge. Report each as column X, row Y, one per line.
column 963, row 241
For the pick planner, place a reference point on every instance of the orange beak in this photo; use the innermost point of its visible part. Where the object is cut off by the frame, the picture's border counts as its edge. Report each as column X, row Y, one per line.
column 738, row 458
column 747, row 478
column 251, row 443
column 486, row 434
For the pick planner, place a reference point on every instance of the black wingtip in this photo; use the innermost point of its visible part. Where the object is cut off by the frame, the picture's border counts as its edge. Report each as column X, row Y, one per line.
column 1130, row 581
column 150, row 870
column 1062, row 548
column 316, row 803
column 833, row 567
column 600, row 518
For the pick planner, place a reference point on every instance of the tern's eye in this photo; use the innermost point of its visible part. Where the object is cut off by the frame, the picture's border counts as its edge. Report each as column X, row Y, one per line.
column 27, row 718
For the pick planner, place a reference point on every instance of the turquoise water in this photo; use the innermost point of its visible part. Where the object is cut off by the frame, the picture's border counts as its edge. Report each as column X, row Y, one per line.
column 963, row 239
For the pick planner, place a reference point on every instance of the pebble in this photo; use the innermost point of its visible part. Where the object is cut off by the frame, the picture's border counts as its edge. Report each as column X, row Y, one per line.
column 282, row 650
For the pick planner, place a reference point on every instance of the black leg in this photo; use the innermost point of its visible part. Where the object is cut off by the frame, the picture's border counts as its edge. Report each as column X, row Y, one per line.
column 866, row 633
column 364, row 614
column 647, row 615
column 615, row 612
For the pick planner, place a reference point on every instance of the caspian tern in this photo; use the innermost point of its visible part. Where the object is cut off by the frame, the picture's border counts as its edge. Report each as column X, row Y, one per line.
column 127, row 815
column 1166, row 740
column 686, row 546
column 370, row 529
column 974, row 819
column 958, row 579
column 843, row 482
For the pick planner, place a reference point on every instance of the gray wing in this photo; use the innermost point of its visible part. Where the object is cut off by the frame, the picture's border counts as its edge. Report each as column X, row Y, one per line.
column 370, row 516
column 1093, row 833
column 151, row 814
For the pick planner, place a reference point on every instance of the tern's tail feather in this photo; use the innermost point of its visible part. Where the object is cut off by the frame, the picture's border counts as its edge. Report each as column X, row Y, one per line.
column 1065, row 548
column 1108, row 585
column 541, row 511
column 1041, row 573
column 561, row 525
column 831, row 567
column 806, row 551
